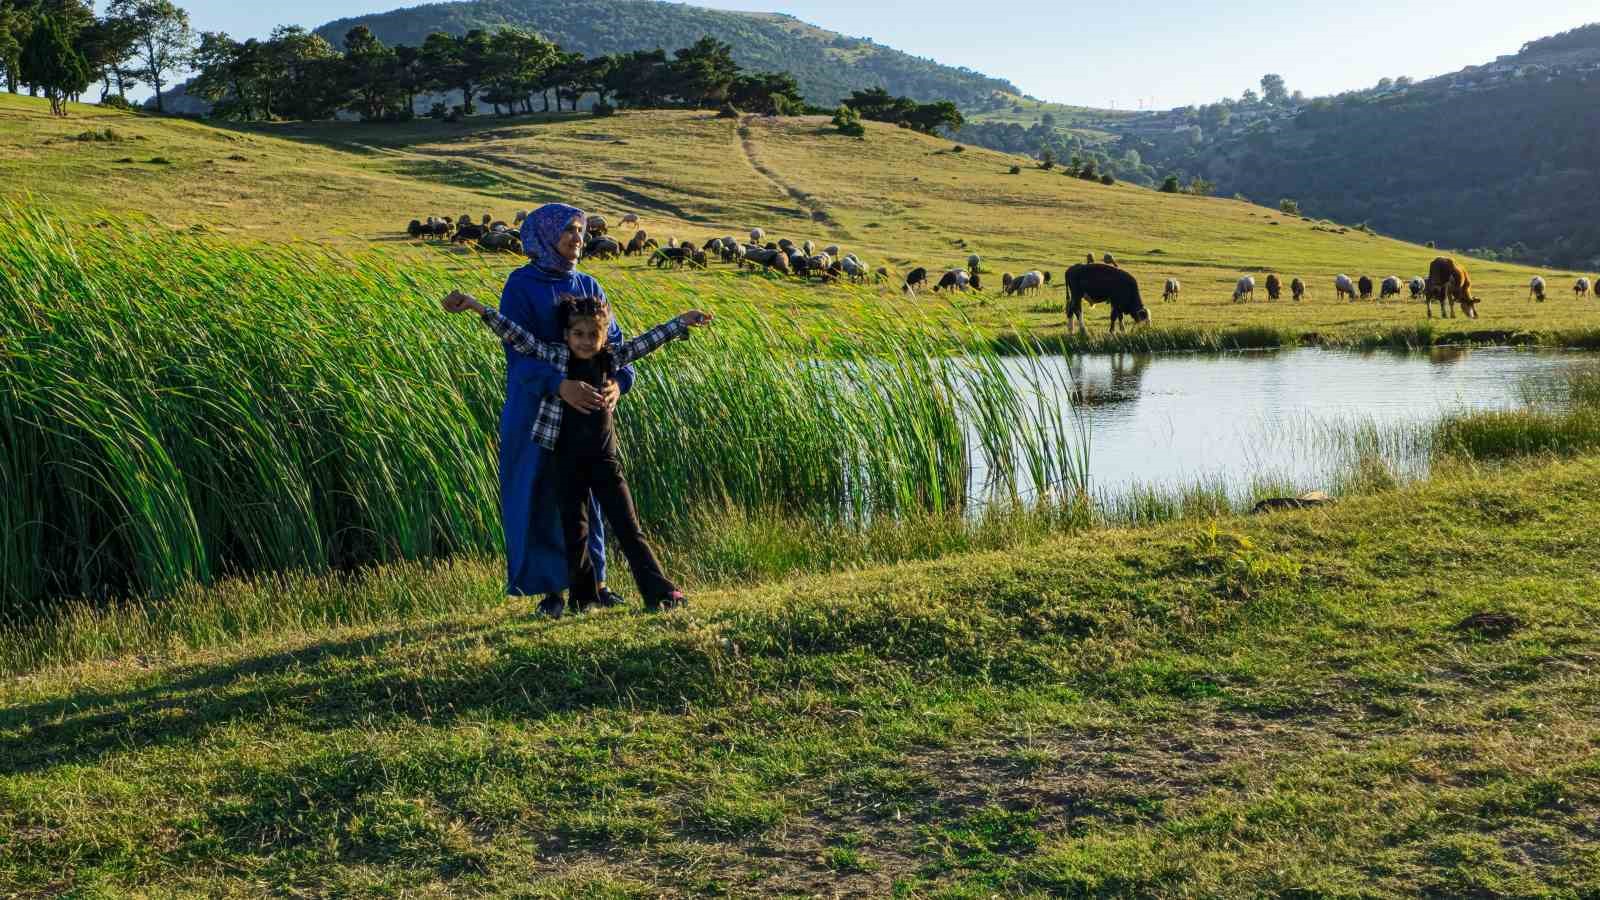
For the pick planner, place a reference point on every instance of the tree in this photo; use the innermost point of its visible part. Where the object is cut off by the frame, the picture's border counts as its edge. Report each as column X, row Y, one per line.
column 163, row 39
column 1170, row 186
column 1087, row 172
column 769, row 93
column 928, row 118
column 640, row 79
column 108, row 46
column 13, row 28
column 304, row 71
column 1273, row 89
column 370, row 73
column 704, row 72
column 409, row 76
column 456, row 63
column 516, row 61
column 1047, row 160
column 1249, row 98
column 50, row 63
column 229, row 74
column 1200, row 187
column 1288, row 207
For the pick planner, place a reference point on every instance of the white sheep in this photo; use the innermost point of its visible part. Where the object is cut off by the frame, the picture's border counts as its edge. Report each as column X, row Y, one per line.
column 1581, row 287
column 973, row 261
column 1344, row 286
column 1172, row 289
column 1536, row 288
column 1419, row 286
column 756, row 235
column 853, row 268
column 808, row 249
column 831, row 250
column 1245, row 289
column 628, row 219
column 1390, row 288
column 1026, row 283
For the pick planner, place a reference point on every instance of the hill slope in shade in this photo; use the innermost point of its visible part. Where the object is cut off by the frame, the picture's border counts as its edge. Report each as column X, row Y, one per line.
column 828, row 65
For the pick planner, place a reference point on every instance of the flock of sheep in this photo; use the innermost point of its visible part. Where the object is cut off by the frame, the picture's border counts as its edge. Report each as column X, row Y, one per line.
column 1447, row 281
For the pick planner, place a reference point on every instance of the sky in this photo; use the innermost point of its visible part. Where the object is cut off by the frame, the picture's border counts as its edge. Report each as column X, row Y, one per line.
column 1145, row 54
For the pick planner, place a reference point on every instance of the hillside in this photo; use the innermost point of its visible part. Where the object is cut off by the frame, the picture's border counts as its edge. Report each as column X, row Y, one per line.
column 1498, row 156
column 827, row 65
column 897, row 198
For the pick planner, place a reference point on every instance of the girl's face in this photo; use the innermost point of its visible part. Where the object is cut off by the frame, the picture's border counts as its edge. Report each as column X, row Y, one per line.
column 585, row 337
column 570, row 243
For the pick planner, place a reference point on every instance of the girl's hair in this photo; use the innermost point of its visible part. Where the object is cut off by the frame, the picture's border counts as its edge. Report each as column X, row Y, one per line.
column 574, row 307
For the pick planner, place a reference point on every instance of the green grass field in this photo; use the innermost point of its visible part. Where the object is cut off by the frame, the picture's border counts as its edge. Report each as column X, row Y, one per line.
column 245, row 388
column 896, row 199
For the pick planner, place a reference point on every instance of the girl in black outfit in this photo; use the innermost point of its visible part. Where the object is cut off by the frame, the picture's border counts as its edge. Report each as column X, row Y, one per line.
column 586, row 458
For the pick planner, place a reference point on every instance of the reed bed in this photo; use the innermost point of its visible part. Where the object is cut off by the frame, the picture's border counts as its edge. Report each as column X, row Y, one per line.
column 175, row 409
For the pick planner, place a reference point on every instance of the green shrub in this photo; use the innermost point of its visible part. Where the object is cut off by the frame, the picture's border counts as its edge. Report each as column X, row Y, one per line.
column 848, row 121
column 1288, row 207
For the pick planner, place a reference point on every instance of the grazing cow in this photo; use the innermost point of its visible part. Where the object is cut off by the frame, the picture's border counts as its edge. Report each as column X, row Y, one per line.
column 1344, row 287
column 1581, row 287
column 1099, row 283
column 1448, row 281
column 1536, row 289
column 1418, row 285
column 1390, row 288
column 1274, row 287
column 1171, row 290
column 917, row 278
column 1297, row 289
column 1245, row 289
column 1365, row 284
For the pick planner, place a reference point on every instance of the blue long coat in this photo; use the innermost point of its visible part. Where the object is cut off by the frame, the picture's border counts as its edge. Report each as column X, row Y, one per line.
column 536, row 561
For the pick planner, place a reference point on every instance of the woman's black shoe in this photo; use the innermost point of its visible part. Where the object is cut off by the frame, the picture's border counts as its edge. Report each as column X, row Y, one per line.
column 552, row 606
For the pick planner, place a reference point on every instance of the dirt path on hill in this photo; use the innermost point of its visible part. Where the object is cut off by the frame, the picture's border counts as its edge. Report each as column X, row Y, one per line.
column 809, row 204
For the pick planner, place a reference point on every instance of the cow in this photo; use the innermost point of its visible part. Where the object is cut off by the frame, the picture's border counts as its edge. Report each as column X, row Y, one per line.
column 1297, row 289
column 1365, row 284
column 1274, row 287
column 1100, row 283
column 1448, row 281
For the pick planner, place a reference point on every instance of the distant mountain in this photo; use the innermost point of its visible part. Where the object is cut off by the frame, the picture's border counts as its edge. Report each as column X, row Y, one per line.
column 1503, row 156
column 828, row 65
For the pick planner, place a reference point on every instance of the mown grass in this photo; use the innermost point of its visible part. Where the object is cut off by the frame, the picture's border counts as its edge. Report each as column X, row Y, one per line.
column 1280, row 705
column 896, row 199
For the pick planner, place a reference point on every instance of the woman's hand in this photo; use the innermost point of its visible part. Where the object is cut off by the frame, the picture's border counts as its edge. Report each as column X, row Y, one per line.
column 459, row 302
column 694, row 318
column 583, row 397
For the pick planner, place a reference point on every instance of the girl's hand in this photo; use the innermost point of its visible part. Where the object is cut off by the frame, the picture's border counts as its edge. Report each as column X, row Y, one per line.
column 694, row 318
column 459, row 302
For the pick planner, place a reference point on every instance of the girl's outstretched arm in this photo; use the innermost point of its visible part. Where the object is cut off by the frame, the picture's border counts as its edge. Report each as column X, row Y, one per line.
column 657, row 337
column 515, row 336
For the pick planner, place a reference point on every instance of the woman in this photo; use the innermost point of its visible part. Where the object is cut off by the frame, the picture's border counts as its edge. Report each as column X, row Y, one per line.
column 535, row 553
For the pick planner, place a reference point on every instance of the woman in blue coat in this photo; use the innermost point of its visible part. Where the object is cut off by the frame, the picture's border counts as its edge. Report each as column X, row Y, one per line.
column 535, row 555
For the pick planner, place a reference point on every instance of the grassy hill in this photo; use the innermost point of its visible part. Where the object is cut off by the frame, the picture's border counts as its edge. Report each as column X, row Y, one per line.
column 827, row 65
column 896, row 198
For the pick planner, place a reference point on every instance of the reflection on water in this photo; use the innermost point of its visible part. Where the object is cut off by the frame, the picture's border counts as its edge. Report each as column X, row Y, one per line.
column 1290, row 418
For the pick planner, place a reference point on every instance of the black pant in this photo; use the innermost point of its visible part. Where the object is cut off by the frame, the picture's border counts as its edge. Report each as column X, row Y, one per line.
column 580, row 475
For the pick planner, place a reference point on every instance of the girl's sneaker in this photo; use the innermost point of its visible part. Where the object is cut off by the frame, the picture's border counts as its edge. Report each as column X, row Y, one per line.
column 671, row 601
column 552, row 606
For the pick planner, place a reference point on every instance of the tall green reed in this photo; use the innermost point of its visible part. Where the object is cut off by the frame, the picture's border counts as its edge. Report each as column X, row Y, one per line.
column 175, row 409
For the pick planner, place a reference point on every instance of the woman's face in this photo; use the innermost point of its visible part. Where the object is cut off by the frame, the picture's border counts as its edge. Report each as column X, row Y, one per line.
column 570, row 243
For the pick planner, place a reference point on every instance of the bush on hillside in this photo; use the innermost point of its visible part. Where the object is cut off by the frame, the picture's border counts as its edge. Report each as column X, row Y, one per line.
column 1108, row 179
column 848, row 121
column 1288, row 207
column 1170, row 186
column 114, row 101
column 1016, row 170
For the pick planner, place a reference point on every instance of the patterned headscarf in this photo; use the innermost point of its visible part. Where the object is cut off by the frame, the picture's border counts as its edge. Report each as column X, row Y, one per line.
column 540, row 233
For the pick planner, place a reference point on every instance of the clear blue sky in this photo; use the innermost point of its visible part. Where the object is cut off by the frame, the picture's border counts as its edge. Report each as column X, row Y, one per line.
column 1170, row 52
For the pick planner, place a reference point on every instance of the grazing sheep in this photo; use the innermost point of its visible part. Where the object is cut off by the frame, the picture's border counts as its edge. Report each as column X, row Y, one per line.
column 635, row 244
column 627, row 219
column 757, row 235
column 1448, row 280
column 520, row 217
column 503, row 241
column 1108, row 260
column 954, row 280
column 1171, row 291
column 1090, row 260
column 1344, row 287
column 1390, row 288
column 678, row 256
column 596, row 226
column 415, row 229
column 822, row 265
column 1104, row 283
column 1581, row 287
column 973, row 261
column 917, row 278
column 732, row 252
column 1005, row 282
column 1536, row 289
column 853, row 268
column 767, row 259
column 601, row 247
column 1418, row 285
column 1046, row 276
column 1026, row 283
column 468, row 232
column 808, row 249
column 1297, row 289
column 1274, row 287
column 1365, row 284
column 1244, row 290
column 881, row 274
column 832, row 250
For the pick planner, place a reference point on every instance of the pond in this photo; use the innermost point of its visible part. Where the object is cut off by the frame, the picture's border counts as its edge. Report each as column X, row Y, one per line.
column 1255, row 422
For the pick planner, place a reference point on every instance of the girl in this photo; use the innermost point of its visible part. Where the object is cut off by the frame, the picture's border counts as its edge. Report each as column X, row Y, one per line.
column 586, row 459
